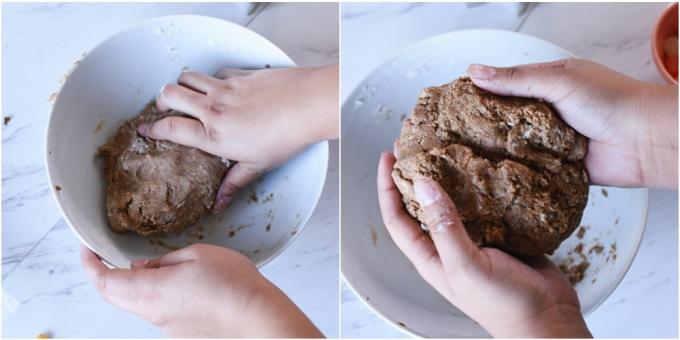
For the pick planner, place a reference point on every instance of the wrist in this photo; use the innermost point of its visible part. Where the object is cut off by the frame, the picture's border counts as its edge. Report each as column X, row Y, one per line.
column 321, row 87
column 657, row 136
column 560, row 321
column 271, row 314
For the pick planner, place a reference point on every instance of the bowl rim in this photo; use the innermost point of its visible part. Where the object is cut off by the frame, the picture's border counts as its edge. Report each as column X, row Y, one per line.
column 47, row 134
column 656, row 56
column 346, row 106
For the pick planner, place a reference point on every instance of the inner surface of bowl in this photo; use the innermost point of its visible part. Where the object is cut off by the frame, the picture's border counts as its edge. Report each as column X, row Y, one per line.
column 113, row 83
column 372, row 265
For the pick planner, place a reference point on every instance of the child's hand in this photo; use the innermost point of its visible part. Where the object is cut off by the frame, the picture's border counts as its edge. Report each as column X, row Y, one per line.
column 201, row 291
column 507, row 297
column 632, row 125
column 258, row 118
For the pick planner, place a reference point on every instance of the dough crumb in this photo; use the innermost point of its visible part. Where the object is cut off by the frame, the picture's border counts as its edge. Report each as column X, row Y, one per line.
column 581, row 232
column 575, row 272
column 597, row 249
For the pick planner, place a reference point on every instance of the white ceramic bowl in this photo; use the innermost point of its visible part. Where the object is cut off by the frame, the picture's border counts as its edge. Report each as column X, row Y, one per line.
column 113, row 83
column 373, row 266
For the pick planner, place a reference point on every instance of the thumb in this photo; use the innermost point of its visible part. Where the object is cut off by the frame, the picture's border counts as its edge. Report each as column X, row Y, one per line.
column 453, row 244
column 127, row 289
column 236, row 179
column 541, row 80
column 180, row 130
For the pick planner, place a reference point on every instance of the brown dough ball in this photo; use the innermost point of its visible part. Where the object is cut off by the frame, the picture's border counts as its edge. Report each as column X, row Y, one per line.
column 155, row 186
column 512, row 167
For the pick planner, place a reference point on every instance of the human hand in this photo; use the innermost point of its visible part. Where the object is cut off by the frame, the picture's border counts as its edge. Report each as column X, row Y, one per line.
column 258, row 118
column 201, row 291
column 508, row 297
column 632, row 125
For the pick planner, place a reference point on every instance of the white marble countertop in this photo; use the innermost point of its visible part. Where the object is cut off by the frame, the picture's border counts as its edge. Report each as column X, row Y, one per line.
column 44, row 287
column 646, row 303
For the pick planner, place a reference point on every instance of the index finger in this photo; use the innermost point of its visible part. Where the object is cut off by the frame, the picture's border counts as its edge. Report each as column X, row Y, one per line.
column 198, row 81
column 183, row 99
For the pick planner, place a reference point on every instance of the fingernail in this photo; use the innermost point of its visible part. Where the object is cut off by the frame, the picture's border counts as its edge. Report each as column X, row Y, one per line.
column 426, row 192
column 482, row 72
column 221, row 202
column 143, row 129
column 139, row 263
column 159, row 91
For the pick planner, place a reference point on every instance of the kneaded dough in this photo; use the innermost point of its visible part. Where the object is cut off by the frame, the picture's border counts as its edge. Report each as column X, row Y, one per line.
column 512, row 167
column 155, row 186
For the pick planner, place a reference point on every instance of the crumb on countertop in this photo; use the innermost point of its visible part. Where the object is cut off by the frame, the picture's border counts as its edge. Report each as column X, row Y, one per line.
column 374, row 236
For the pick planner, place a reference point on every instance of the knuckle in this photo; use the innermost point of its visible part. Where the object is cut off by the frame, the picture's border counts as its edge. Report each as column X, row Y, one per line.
column 513, row 73
column 217, row 107
column 167, row 126
column 231, row 187
column 436, row 214
column 211, row 134
column 167, row 91
column 234, row 81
